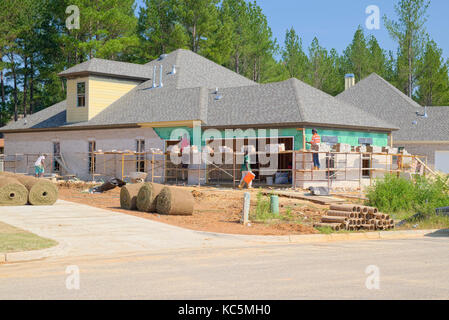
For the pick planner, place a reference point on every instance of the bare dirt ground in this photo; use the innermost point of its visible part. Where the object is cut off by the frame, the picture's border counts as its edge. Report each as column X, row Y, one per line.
column 216, row 210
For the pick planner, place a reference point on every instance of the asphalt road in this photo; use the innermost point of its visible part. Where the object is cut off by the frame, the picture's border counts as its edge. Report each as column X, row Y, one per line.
column 407, row 269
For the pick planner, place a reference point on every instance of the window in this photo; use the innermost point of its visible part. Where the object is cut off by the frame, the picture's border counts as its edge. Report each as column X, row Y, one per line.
column 81, row 94
column 92, row 158
column 56, row 156
column 140, row 158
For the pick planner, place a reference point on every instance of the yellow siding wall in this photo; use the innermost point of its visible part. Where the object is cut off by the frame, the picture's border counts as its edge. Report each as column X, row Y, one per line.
column 100, row 93
column 104, row 91
column 74, row 113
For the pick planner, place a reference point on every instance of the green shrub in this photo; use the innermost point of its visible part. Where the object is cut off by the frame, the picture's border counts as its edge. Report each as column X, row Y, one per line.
column 394, row 195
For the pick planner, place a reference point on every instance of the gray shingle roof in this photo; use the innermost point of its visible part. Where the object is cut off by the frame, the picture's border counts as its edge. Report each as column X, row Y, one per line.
column 109, row 68
column 193, row 70
column 290, row 101
column 51, row 117
column 188, row 95
column 379, row 98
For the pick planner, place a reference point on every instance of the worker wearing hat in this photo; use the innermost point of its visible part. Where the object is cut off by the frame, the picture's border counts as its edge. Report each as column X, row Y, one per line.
column 316, row 140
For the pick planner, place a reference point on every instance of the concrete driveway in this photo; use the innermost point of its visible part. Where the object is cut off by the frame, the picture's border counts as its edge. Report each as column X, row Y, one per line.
column 85, row 230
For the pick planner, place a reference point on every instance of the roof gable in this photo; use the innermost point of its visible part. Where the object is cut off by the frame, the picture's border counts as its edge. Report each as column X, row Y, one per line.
column 378, row 97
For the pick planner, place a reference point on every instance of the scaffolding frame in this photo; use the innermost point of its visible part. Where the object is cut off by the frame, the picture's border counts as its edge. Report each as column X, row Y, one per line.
column 108, row 163
column 394, row 164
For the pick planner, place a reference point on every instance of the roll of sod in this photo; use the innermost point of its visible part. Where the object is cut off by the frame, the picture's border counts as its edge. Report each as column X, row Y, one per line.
column 12, row 192
column 128, row 196
column 41, row 192
column 147, row 196
column 175, row 201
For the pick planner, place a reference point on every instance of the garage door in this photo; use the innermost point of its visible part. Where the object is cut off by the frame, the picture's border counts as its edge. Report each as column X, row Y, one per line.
column 442, row 161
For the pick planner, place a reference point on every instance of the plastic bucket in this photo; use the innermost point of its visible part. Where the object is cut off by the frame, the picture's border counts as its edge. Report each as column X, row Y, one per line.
column 249, row 177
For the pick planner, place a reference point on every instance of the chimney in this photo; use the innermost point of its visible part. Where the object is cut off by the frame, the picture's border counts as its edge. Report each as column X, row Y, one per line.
column 161, row 84
column 349, row 81
column 154, row 77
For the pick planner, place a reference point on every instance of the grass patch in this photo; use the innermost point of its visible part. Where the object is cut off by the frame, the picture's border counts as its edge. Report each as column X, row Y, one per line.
column 404, row 197
column 426, row 221
column 262, row 211
column 13, row 239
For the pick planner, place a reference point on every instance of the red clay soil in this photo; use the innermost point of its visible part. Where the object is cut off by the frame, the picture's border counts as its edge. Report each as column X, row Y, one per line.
column 216, row 210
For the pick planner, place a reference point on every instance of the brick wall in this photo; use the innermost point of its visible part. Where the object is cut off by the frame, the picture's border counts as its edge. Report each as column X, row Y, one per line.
column 74, row 147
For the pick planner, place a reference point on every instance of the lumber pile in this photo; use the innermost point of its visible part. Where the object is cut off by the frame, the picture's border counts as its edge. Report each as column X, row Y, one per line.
column 157, row 198
column 354, row 217
column 18, row 189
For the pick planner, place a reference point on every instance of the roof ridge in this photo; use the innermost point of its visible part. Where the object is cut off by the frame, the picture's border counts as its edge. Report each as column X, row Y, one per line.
column 391, row 88
column 293, row 83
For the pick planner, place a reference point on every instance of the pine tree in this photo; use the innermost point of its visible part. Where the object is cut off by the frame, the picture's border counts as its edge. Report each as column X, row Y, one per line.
column 158, row 30
column 321, row 65
column 409, row 31
column 433, row 80
column 293, row 56
column 199, row 19
column 356, row 56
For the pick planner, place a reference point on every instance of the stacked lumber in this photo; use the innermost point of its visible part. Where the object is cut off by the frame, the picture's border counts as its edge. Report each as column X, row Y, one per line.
column 354, row 217
column 17, row 187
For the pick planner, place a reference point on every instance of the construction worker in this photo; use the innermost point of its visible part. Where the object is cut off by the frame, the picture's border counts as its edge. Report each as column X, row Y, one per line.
column 245, row 169
column 316, row 140
column 39, row 166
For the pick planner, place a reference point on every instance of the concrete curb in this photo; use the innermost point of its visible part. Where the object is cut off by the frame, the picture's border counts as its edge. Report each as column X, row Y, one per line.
column 58, row 250
column 320, row 238
column 382, row 235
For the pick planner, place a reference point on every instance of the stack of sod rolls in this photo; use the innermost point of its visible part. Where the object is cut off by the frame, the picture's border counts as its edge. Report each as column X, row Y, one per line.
column 41, row 192
column 152, row 197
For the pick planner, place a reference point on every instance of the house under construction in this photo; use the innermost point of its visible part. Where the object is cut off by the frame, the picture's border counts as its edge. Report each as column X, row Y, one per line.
column 120, row 118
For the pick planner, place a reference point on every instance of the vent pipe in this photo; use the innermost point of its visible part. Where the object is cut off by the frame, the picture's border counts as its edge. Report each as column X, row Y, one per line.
column 154, row 76
column 173, row 70
column 349, row 81
column 161, row 84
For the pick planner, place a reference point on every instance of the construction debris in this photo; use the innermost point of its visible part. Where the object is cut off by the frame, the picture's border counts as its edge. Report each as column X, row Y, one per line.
column 108, row 185
column 353, row 218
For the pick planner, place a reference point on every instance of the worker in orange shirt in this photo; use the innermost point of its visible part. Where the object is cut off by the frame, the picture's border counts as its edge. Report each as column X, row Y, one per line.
column 316, row 140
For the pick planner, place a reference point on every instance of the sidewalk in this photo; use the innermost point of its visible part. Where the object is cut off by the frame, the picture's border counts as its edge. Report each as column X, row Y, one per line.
column 83, row 230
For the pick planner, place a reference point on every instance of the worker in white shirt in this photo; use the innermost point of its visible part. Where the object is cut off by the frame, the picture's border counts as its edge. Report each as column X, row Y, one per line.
column 39, row 166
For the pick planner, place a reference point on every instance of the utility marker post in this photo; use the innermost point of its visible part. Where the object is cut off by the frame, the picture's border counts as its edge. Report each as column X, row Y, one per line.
column 246, row 206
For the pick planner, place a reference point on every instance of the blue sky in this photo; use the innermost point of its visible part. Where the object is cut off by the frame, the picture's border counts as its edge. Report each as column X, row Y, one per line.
column 334, row 22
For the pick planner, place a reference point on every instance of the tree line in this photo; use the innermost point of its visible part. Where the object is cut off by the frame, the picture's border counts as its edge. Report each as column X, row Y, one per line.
column 35, row 45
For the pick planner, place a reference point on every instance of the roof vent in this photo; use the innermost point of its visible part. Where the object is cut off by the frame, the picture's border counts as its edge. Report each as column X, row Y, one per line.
column 173, row 70
column 218, row 96
column 161, row 84
column 154, row 76
column 163, row 56
column 423, row 115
